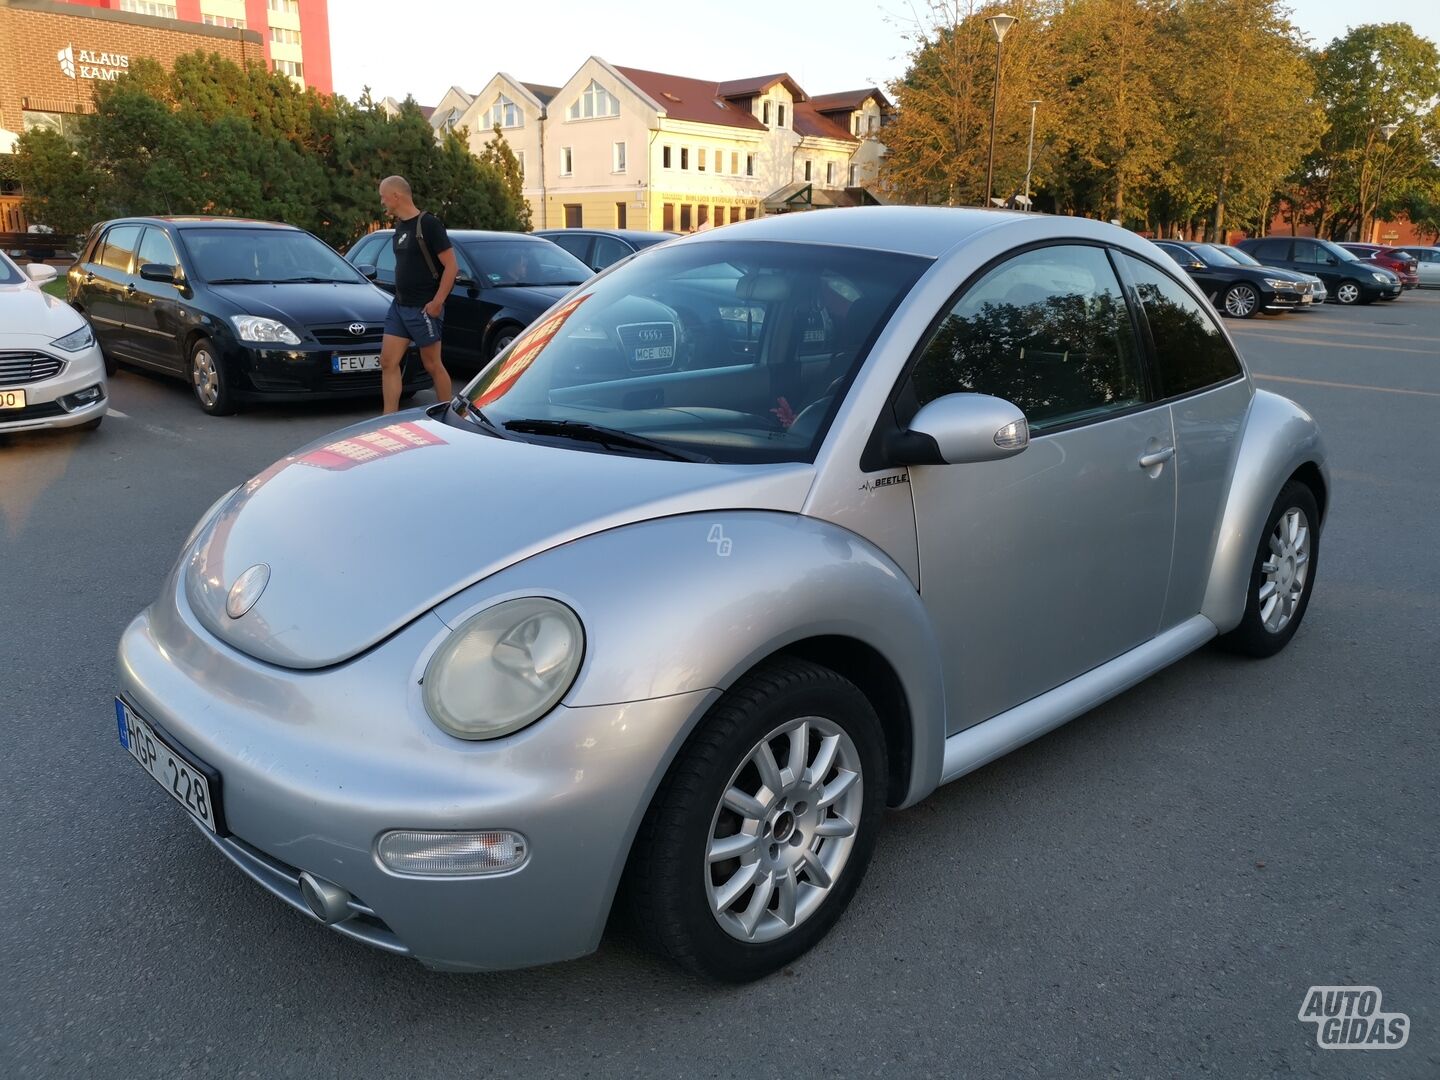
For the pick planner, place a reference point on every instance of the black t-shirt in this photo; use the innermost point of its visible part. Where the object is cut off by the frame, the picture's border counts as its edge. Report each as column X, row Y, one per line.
column 417, row 278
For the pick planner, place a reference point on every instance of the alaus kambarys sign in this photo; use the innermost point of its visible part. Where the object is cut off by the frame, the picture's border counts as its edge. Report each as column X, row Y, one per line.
column 88, row 64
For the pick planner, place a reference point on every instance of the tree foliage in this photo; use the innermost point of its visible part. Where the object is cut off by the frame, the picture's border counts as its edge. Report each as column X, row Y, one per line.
column 212, row 137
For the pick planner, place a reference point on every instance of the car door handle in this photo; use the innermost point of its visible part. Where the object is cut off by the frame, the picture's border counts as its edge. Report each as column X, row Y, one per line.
column 130, row 287
column 89, row 277
column 1158, row 457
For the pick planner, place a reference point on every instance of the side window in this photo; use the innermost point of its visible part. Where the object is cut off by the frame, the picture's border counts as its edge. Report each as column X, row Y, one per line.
column 155, row 247
column 118, row 247
column 1278, row 250
column 385, row 260
column 609, row 250
column 575, row 245
column 364, row 251
column 1308, row 252
column 1190, row 351
column 1048, row 331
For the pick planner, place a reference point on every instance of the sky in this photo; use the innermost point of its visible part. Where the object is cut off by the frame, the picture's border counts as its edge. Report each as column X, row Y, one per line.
column 422, row 47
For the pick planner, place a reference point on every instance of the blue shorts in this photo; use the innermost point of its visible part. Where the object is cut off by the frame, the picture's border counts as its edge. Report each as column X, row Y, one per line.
column 413, row 323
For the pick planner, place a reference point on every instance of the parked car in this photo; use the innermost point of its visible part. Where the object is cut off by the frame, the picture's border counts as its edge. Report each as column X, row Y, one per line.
column 692, row 627
column 599, row 248
column 1235, row 289
column 1399, row 262
column 1427, row 264
column 1318, row 292
column 242, row 310
column 1348, row 279
column 51, row 372
column 506, row 281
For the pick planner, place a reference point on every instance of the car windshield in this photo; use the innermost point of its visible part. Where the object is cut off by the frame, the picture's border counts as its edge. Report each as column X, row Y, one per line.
column 263, row 257
column 1213, row 255
column 738, row 351
column 1241, row 257
column 502, row 263
column 10, row 274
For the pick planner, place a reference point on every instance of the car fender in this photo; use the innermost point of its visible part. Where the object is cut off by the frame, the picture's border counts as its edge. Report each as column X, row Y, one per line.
column 692, row 602
column 1279, row 438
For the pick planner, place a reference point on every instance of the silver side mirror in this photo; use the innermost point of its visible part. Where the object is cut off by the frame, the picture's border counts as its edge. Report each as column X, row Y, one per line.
column 961, row 429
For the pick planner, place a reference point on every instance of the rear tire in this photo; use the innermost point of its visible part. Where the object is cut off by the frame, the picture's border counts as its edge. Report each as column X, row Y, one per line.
column 801, row 828
column 1282, row 576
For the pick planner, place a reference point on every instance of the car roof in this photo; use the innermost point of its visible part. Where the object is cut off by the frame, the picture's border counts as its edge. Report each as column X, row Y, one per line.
column 475, row 234
column 639, row 235
column 202, row 222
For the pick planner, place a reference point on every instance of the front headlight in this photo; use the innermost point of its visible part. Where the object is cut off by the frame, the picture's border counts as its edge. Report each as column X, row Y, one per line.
column 504, row 668
column 1281, row 286
column 255, row 328
column 1385, row 278
column 76, row 339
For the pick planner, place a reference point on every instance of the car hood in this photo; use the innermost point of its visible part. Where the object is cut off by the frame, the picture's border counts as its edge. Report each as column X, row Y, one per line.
column 29, row 317
column 369, row 529
column 1278, row 273
column 307, row 305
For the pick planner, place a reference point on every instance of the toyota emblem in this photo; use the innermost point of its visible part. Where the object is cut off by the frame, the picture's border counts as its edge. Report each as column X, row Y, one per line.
column 357, row 328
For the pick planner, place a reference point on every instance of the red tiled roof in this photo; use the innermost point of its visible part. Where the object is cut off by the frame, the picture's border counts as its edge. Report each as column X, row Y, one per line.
column 848, row 101
column 697, row 100
column 759, row 85
column 810, row 122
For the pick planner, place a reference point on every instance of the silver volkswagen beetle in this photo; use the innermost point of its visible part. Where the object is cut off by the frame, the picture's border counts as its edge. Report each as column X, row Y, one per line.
column 742, row 542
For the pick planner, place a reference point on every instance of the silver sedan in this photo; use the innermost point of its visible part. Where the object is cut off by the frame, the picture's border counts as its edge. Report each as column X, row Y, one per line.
column 742, row 542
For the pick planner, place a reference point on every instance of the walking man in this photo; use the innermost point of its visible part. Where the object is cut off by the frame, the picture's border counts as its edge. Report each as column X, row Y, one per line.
column 425, row 270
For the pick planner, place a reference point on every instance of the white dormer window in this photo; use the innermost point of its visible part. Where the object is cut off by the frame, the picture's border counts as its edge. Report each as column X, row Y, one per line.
column 594, row 102
column 504, row 113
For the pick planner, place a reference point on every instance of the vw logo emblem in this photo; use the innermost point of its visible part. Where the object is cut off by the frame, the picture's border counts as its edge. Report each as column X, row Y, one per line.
column 246, row 590
column 357, row 328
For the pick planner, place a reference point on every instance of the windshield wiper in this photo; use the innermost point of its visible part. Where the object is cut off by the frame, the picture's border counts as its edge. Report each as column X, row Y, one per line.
column 313, row 281
column 581, row 431
column 465, row 409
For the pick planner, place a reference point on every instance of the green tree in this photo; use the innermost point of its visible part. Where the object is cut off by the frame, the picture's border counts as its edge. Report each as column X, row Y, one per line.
column 497, row 155
column 61, row 188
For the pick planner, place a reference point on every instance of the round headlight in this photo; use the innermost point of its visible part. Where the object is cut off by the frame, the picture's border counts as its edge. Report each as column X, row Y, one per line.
column 504, row 668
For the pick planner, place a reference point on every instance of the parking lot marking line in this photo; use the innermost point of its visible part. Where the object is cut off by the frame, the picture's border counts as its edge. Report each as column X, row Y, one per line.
column 1272, row 331
column 1321, row 343
column 1346, row 386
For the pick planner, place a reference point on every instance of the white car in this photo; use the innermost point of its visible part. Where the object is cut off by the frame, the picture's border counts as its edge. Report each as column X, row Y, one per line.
column 51, row 370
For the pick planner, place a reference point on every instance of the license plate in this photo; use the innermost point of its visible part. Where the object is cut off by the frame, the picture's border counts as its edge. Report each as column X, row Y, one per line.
column 355, row 363
column 659, row 352
column 177, row 773
column 12, row 399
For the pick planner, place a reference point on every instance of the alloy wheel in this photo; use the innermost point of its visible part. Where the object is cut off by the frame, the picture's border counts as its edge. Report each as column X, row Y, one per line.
column 1348, row 292
column 784, row 829
column 1285, row 573
column 1241, row 301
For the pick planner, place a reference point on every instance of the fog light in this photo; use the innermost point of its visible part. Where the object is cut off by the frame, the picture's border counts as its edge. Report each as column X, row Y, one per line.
column 88, row 396
column 328, row 902
column 452, row 854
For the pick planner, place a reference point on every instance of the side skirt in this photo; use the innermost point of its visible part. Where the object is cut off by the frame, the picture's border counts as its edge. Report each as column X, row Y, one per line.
column 968, row 750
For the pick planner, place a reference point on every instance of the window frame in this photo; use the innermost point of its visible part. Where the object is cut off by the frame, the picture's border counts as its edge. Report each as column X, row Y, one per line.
column 567, row 161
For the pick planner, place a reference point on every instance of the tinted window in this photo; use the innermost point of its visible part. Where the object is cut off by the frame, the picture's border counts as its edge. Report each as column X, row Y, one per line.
column 1180, row 255
column 575, row 244
column 264, row 256
column 1048, row 331
column 1309, row 252
column 385, row 259
column 364, row 252
column 609, row 250
column 119, row 247
column 741, row 351
column 1278, row 250
column 524, row 262
column 155, row 247
column 1190, row 351
column 1213, row 255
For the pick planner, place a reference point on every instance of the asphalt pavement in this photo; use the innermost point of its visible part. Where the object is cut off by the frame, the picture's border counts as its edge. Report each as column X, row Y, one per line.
column 1148, row 892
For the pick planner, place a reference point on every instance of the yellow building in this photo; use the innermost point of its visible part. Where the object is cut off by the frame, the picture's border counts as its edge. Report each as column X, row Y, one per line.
column 619, row 147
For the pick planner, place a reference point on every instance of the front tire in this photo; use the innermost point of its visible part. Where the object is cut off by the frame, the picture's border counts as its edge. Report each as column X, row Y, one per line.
column 1282, row 576
column 763, row 827
column 1347, row 293
column 502, row 341
column 209, row 380
column 1241, row 301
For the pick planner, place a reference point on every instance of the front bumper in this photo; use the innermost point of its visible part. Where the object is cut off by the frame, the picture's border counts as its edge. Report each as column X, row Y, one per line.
column 278, row 371
column 48, row 402
column 316, row 765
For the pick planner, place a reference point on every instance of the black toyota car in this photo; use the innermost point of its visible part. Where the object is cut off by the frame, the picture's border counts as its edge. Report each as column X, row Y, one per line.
column 1234, row 288
column 506, row 281
column 239, row 309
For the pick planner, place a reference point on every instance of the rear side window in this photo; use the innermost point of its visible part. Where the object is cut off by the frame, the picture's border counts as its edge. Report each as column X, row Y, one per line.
column 118, row 247
column 1190, row 351
column 576, row 244
column 1048, row 331
column 1271, row 249
column 609, row 250
column 1309, row 252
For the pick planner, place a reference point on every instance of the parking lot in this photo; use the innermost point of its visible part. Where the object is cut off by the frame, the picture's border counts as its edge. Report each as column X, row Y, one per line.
column 1148, row 891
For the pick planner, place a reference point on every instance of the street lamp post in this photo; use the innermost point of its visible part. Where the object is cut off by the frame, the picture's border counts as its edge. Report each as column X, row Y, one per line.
column 1030, row 153
column 1387, row 130
column 999, row 25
